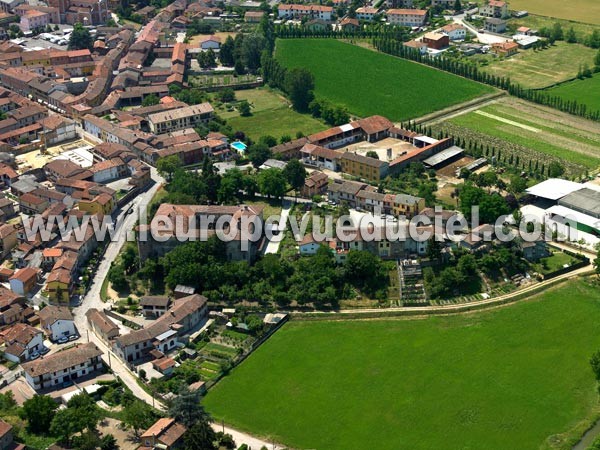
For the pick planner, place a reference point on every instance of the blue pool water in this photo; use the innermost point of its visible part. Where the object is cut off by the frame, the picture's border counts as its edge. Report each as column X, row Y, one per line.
column 239, row 146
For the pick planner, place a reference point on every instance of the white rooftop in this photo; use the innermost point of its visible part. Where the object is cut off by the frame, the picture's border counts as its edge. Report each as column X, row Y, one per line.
column 554, row 188
column 569, row 213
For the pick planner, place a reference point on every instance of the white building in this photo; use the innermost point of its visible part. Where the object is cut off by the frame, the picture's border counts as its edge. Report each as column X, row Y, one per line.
column 454, row 31
column 293, row 11
column 21, row 342
column 366, row 13
column 407, row 17
column 57, row 321
column 64, row 366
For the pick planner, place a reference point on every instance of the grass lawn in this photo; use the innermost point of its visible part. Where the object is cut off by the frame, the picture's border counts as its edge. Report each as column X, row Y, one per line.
column 585, row 92
column 271, row 115
column 369, row 83
column 587, row 11
column 573, row 140
column 506, row 378
column 536, row 69
column 555, row 262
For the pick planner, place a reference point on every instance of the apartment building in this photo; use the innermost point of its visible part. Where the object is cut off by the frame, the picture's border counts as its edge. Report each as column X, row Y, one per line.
column 407, row 17
column 494, row 8
column 297, row 11
column 49, row 372
column 180, row 118
column 360, row 166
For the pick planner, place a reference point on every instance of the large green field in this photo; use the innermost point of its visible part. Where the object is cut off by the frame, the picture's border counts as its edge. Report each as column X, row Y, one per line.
column 514, row 378
column 578, row 10
column 271, row 115
column 585, row 92
column 369, row 83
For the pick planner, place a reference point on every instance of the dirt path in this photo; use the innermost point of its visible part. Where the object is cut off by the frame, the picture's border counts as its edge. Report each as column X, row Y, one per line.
column 507, row 121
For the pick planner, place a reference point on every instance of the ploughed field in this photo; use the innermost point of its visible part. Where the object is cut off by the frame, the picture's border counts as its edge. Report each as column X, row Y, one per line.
column 515, row 377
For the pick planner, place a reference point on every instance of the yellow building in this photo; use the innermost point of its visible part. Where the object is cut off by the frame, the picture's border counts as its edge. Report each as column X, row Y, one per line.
column 360, row 166
column 101, row 204
column 58, row 286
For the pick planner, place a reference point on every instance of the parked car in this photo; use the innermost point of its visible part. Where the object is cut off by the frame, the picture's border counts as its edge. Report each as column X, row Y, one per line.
column 73, row 337
column 34, row 355
column 67, row 384
column 62, row 340
column 44, row 350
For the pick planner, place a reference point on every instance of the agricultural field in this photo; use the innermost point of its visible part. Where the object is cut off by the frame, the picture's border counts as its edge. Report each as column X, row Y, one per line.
column 538, row 69
column 537, row 22
column 271, row 115
column 532, row 132
column 516, row 377
column 388, row 86
column 587, row 11
column 585, row 91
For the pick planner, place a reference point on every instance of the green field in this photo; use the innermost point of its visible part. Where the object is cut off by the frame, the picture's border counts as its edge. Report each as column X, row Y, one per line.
column 533, row 131
column 537, row 69
column 271, row 115
column 587, row 11
column 512, row 378
column 585, row 92
column 369, row 83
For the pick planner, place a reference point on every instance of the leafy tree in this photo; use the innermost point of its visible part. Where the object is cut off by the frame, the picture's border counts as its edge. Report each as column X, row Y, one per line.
column 138, row 416
column 597, row 61
column 517, row 184
column 299, row 84
column 555, row 169
column 597, row 262
column 168, row 165
column 80, row 38
column 595, row 363
column 457, row 5
column 7, row 401
column 272, row 183
column 186, row 408
column 244, row 108
column 81, row 414
column 557, row 32
column 150, row 100
column 227, row 95
column 39, row 412
column 86, row 441
column 571, row 36
column 200, row 436
column 295, row 174
column 258, row 154
column 109, row 442
column 226, row 52
column 372, row 154
column 252, row 47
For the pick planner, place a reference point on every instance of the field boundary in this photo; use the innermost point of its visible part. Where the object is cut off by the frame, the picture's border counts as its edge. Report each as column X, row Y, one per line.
column 461, row 108
column 508, row 121
column 444, row 310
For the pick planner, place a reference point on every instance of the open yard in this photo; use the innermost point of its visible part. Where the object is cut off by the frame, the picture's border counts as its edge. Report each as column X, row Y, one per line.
column 537, row 69
column 271, row 115
column 368, row 83
column 517, row 377
column 532, row 132
column 585, row 92
column 578, row 10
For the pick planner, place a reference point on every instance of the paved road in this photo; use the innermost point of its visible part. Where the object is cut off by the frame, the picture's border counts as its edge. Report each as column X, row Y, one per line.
column 125, row 223
column 273, row 246
column 484, row 38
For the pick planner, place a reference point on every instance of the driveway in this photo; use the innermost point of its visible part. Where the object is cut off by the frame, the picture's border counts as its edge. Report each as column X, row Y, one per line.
column 273, row 245
column 484, row 38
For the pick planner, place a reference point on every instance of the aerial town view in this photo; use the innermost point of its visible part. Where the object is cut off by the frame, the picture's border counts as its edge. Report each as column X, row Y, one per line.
column 300, row 224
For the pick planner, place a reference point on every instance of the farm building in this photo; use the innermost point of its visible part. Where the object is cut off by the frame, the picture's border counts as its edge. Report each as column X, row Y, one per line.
column 444, row 157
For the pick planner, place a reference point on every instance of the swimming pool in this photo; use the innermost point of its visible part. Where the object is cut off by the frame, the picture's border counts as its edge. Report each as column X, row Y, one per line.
column 239, row 146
